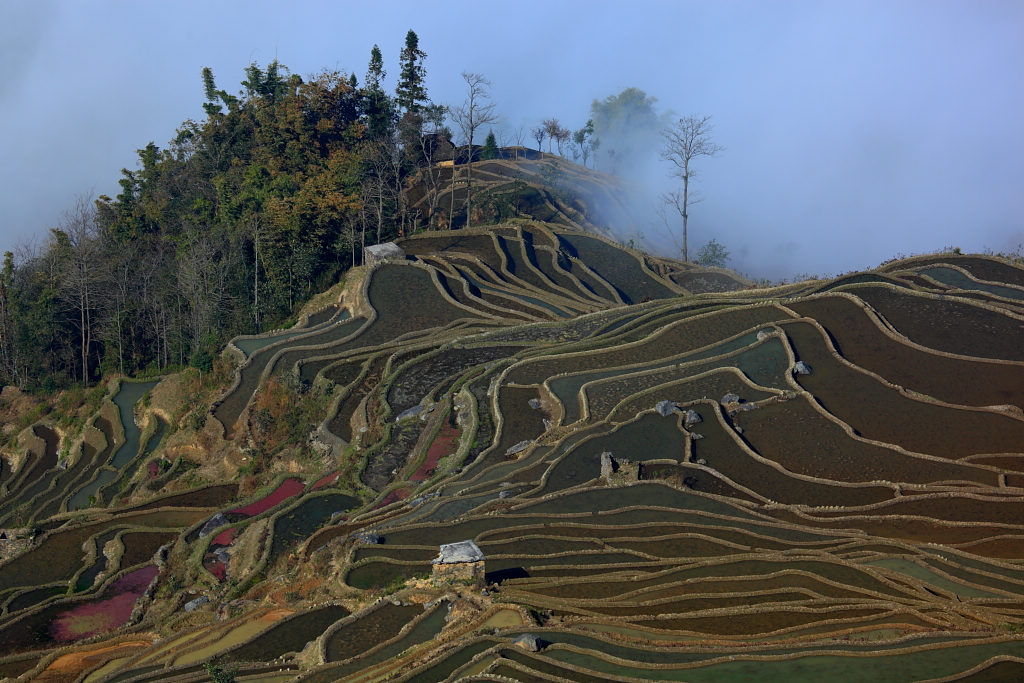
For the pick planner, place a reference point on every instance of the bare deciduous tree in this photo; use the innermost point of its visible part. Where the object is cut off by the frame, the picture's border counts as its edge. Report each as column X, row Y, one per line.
column 474, row 112
column 557, row 134
column 518, row 135
column 79, row 252
column 433, row 133
column 561, row 139
column 202, row 283
column 539, row 133
column 379, row 182
column 254, row 224
column 686, row 140
column 551, row 128
column 120, row 290
column 348, row 238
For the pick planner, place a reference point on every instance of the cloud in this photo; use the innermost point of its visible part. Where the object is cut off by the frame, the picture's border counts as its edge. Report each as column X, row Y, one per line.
column 23, row 29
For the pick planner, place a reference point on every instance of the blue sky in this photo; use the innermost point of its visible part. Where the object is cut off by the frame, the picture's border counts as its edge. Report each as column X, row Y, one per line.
column 854, row 131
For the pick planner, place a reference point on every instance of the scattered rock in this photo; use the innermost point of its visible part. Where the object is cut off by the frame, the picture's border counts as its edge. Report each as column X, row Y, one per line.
column 695, row 436
column 620, row 471
column 730, row 398
column 692, row 418
column 529, row 642
column 701, row 461
column 534, row 403
column 519, row 447
column 369, row 538
column 215, row 522
column 764, row 334
column 801, row 368
column 193, row 605
column 411, row 412
column 423, row 499
column 666, row 408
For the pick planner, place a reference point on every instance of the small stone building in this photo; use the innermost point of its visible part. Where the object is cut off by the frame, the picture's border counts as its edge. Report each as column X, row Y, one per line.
column 382, row 252
column 462, row 561
column 618, row 471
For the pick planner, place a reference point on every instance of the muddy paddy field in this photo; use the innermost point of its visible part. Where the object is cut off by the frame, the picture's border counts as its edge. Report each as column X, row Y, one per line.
column 667, row 474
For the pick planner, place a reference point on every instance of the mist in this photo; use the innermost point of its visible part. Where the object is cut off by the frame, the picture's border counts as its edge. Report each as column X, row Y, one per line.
column 853, row 132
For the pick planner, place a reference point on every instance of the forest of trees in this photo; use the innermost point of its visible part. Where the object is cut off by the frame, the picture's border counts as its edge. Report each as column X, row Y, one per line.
column 233, row 225
column 226, row 230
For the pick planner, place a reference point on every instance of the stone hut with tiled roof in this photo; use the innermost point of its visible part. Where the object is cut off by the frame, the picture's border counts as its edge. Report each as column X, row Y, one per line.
column 382, row 252
column 462, row 561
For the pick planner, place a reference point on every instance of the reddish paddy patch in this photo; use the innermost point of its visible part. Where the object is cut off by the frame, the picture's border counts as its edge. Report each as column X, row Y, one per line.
column 289, row 487
column 225, row 537
column 326, row 480
column 445, row 444
column 397, row 494
column 99, row 616
column 216, row 567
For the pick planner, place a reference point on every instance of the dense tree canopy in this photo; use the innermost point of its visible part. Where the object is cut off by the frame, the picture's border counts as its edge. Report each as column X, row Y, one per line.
column 231, row 226
column 625, row 129
column 226, row 230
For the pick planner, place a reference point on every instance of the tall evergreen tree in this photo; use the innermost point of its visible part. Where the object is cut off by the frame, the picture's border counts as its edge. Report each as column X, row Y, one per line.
column 210, row 89
column 377, row 105
column 411, row 91
column 490, row 150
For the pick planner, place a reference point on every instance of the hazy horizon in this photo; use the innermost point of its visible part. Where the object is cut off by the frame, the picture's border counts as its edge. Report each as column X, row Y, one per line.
column 853, row 131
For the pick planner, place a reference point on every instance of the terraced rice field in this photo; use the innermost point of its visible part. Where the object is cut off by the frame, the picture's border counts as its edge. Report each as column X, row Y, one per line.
column 824, row 481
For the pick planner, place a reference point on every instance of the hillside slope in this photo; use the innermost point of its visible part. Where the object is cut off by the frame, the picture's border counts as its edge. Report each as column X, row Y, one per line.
column 664, row 481
column 524, row 183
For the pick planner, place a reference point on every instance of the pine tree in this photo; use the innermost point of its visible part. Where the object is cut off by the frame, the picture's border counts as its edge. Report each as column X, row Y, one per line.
column 490, row 150
column 376, row 104
column 411, row 93
column 210, row 89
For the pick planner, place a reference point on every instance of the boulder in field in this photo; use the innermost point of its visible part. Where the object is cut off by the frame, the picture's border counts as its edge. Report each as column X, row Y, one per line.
column 666, row 407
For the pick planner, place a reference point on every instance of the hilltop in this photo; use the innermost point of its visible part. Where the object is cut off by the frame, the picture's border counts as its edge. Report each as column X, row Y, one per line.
column 665, row 470
column 321, row 395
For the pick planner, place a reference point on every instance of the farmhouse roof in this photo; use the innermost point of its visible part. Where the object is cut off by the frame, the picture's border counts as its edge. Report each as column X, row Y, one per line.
column 463, row 551
column 385, row 250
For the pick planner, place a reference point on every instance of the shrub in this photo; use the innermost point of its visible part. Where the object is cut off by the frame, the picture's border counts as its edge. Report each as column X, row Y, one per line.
column 219, row 674
column 490, row 150
column 713, row 254
column 202, row 360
